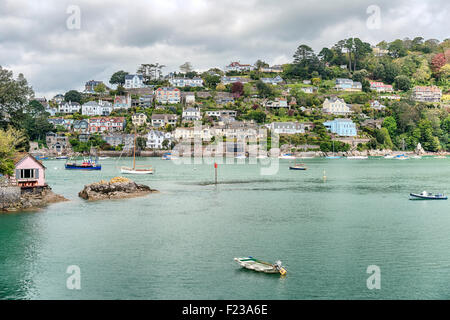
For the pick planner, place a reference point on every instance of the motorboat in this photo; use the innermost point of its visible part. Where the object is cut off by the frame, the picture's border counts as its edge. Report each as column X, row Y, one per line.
column 427, row 196
column 298, row 166
column 401, row 157
column 261, row 266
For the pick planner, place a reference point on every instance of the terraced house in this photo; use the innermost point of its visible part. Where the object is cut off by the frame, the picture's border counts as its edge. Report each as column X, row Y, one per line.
column 168, row 95
column 186, row 82
column 106, row 124
column 427, row 94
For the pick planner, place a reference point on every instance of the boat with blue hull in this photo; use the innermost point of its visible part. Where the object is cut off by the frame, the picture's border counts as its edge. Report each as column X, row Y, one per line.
column 87, row 164
column 427, row 196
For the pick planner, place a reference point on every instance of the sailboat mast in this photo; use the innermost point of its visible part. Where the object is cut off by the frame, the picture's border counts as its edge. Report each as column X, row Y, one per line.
column 134, row 151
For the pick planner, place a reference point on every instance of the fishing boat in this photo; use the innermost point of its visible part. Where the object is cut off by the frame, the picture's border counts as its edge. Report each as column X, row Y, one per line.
column 358, row 157
column 261, row 266
column 87, row 164
column 41, row 158
column 289, row 156
column 389, row 156
column 61, row 157
column 427, row 196
column 134, row 169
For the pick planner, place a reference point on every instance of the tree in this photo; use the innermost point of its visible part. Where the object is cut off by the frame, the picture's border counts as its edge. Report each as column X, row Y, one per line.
column 211, row 81
column 402, row 83
column 186, row 67
column 396, row 49
column 391, row 125
column 384, row 138
column 118, row 77
column 73, row 95
column 258, row 116
column 303, row 54
column 260, row 64
column 11, row 141
column 14, row 95
column 100, row 88
column 264, row 90
column 237, row 89
column 437, row 62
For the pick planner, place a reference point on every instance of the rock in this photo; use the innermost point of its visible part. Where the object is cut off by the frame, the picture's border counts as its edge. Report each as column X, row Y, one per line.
column 116, row 188
column 33, row 199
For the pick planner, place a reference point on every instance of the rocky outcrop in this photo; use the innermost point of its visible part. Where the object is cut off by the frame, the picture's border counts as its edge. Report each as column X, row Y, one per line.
column 116, row 188
column 30, row 199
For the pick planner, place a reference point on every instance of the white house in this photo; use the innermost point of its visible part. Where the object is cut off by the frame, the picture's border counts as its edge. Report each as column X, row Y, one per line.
column 274, row 81
column 92, row 108
column 237, row 66
column 156, row 138
column 336, row 106
column 287, row 127
column 221, row 113
column 161, row 120
column 133, row 81
column 186, row 82
column 191, row 114
column 277, row 103
column 69, row 107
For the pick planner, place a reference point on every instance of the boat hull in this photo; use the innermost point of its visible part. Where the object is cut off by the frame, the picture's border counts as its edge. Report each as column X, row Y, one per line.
column 414, row 196
column 258, row 266
column 136, row 171
column 76, row 167
column 297, row 168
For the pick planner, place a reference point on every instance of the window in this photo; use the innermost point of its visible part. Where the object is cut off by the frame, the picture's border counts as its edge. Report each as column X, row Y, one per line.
column 27, row 173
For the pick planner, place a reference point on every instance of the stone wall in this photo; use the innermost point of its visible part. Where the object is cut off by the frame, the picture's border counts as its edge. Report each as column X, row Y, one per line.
column 9, row 195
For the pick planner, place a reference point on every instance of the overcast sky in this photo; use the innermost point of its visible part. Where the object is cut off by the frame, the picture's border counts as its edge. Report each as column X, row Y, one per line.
column 120, row 35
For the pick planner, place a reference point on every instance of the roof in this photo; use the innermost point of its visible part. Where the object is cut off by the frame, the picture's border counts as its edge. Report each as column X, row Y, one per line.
column 22, row 156
column 131, row 76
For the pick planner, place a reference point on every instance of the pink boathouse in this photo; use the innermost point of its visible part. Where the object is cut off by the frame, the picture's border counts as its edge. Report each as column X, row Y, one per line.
column 29, row 172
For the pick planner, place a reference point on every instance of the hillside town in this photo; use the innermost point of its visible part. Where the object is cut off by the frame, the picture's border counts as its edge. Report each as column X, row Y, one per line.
column 389, row 96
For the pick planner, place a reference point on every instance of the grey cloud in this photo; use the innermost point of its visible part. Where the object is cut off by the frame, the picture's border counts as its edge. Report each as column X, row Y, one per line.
column 118, row 35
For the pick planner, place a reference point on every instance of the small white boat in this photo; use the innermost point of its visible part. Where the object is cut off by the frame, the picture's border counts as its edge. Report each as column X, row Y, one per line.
column 440, row 157
column 261, row 156
column 127, row 170
column 240, row 156
column 103, row 158
column 416, row 157
column 389, row 156
column 427, row 196
column 358, row 157
column 288, row 156
column 261, row 266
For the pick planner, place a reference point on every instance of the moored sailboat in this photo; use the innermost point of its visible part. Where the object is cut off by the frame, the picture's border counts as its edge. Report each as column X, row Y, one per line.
column 134, row 169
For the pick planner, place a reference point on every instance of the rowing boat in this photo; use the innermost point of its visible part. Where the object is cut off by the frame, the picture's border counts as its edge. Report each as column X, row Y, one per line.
column 261, row 266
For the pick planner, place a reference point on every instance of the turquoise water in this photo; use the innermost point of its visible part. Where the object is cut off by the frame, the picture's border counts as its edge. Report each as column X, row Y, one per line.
column 180, row 243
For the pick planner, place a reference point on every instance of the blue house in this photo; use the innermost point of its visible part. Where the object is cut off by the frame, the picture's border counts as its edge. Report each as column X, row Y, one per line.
column 341, row 127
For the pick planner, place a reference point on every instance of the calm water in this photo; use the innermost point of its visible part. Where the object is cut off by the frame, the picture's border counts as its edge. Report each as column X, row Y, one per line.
column 180, row 243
